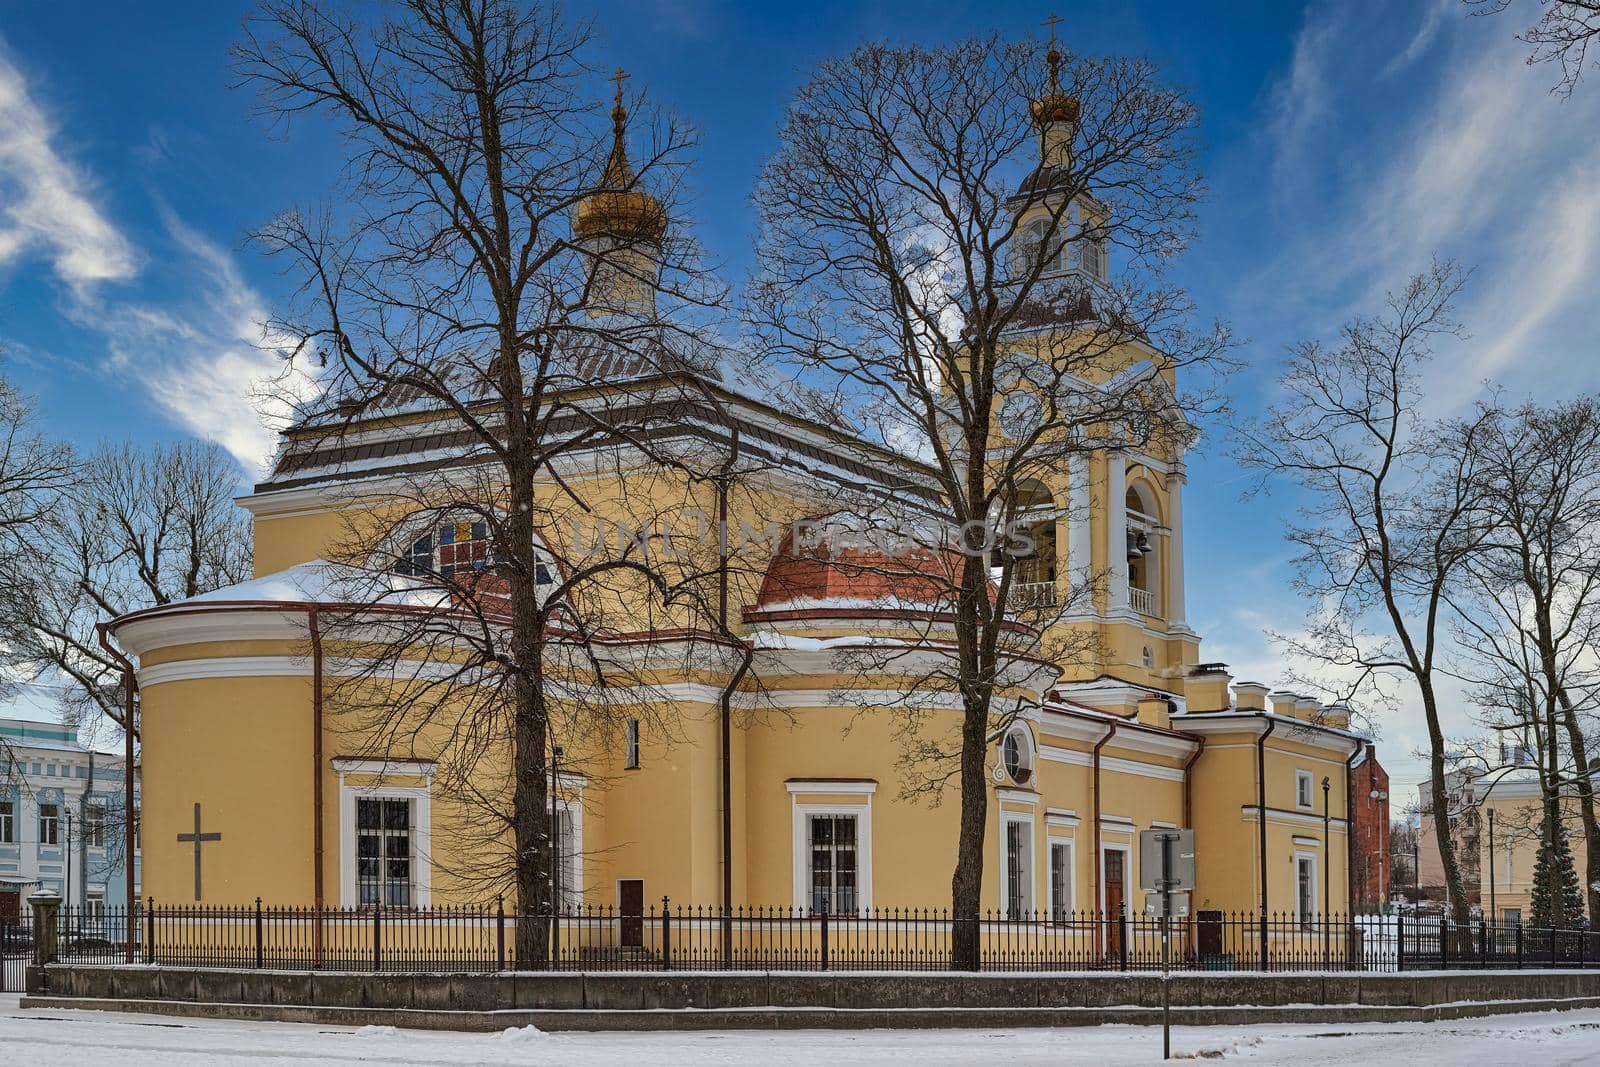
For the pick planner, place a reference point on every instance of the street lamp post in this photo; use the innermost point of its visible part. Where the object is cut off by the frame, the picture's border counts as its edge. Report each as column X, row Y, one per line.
column 1327, row 861
column 555, row 856
column 1492, row 911
column 67, row 850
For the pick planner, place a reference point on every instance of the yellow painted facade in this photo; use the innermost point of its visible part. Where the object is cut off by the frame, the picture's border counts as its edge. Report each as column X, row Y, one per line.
column 1138, row 736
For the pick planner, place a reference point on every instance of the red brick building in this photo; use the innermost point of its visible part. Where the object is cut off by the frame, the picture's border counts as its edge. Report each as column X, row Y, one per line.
column 1369, row 863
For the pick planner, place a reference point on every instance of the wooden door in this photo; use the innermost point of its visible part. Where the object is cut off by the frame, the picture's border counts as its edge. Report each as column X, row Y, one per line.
column 1116, row 897
column 631, row 908
column 10, row 907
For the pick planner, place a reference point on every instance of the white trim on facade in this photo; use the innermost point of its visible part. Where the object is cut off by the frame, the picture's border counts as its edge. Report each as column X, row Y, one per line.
column 800, row 836
column 421, row 838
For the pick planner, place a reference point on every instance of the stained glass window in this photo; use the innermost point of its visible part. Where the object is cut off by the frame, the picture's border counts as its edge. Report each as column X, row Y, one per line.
column 454, row 550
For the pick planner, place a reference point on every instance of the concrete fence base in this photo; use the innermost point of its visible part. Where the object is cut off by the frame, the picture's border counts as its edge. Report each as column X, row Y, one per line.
column 780, row 1001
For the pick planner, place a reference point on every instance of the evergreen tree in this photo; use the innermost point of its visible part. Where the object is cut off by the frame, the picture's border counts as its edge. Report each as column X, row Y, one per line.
column 1557, row 899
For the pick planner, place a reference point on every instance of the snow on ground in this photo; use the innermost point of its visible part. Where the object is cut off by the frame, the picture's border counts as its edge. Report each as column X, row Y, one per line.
column 48, row 1037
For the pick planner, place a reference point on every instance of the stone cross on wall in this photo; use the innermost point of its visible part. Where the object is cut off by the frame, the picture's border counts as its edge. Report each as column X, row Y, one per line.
column 197, row 837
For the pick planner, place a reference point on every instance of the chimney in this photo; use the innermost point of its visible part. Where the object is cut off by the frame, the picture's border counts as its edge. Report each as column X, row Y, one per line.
column 1284, row 703
column 1337, row 715
column 1306, row 708
column 1250, row 696
column 1155, row 711
column 1206, row 688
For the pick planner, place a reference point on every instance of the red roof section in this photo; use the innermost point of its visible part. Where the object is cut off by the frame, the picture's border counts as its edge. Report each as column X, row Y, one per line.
column 825, row 571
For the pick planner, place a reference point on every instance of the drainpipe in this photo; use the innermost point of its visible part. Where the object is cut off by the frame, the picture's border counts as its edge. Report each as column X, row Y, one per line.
column 1261, row 823
column 314, row 623
column 1094, row 863
column 102, row 633
column 1188, row 792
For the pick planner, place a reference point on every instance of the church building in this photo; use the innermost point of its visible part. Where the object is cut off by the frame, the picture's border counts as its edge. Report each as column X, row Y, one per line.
column 255, row 786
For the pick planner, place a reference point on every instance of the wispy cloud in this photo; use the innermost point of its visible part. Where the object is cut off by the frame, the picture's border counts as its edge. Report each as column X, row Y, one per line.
column 1390, row 144
column 193, row 340
column 47, row 201
column 1470, row 159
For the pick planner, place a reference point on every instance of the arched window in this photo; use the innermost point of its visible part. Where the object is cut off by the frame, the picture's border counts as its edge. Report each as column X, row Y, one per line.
column 1041, row 248
column 1016, row 754
column 459, row 551
column 1033, row 514
column 1144, row 573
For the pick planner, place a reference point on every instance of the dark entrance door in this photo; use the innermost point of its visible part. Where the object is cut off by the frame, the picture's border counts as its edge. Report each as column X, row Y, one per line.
column 1116, row 896
column 631, row 908
column 10, row 906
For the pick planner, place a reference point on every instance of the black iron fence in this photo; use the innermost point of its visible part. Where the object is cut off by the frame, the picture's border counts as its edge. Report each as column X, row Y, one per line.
column 668, row 937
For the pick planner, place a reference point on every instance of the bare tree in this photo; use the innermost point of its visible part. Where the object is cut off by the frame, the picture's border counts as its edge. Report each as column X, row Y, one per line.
column 935, row 261
column 1392, row 516
column 1531, row 594
column 32, row 467
column 138, row 528
column 1561, row 35
column 489, row 265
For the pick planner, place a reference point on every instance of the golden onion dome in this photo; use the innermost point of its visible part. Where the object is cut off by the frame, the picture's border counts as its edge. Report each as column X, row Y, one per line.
column 619, row 210
column 1054, row 106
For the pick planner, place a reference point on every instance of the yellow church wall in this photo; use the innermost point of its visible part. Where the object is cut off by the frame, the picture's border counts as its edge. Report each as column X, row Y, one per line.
column 240, row 746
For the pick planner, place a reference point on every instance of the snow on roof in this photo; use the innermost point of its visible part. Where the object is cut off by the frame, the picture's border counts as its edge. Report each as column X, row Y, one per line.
column 320, row 581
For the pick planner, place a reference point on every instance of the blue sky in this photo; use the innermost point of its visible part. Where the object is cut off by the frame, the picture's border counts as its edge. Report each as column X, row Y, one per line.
column 1345, row 143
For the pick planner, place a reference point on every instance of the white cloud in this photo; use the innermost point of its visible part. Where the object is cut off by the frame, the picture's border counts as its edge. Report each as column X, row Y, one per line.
column 207, row 361
column 46, row 200
column 1391, row 144
column 196, row 347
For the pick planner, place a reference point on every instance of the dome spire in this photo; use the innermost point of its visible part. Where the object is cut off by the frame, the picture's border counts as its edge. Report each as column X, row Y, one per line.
column 1055, row 113
column 618, row 175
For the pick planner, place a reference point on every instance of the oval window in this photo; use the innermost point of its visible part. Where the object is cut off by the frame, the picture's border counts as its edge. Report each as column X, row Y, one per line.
column 1016, row 757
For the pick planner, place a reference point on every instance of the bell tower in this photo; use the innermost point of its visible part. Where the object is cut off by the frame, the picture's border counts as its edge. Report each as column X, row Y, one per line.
column 1109, row 521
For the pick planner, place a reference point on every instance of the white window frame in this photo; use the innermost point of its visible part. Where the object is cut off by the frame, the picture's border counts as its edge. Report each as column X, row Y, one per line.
column 55, row 823
column 1305, row 784
column 800, row 834
column 573, row 883
column 1030, row 865
column 1299, row 912
column 1028, row 752
column 94, row 819
column 94, row 906
column 630, row 744
column 8, row 822
column 421, row 824
column 1066, row 908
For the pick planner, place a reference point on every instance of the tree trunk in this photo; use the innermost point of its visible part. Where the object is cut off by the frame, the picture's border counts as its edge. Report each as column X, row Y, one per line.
column 966, row 885
column 1586, row 808
column 1460, row 910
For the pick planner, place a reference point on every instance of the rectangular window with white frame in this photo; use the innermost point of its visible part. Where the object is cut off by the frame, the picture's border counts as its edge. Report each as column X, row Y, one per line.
column 94, row 906
column 1061, row 878
column 1017, row 841
column 94, row 824
column 383, row 851
column 630, row 759
column 569, row 858
column 831, row 843
column 49, row 824
column 1302, row 790
column 1305, row 887
column 834, row 864
column 8, row 822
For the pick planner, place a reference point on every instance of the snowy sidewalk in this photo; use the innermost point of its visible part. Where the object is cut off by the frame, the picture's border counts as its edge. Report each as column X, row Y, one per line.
column 48, row 1038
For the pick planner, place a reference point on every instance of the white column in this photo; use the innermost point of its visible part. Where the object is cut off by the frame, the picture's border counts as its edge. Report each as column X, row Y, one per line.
column 1117, row 530
column 1175, row 610
column 1080, row 532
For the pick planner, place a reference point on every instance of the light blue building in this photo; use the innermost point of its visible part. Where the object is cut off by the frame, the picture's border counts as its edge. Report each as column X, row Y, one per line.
column 62, row 824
